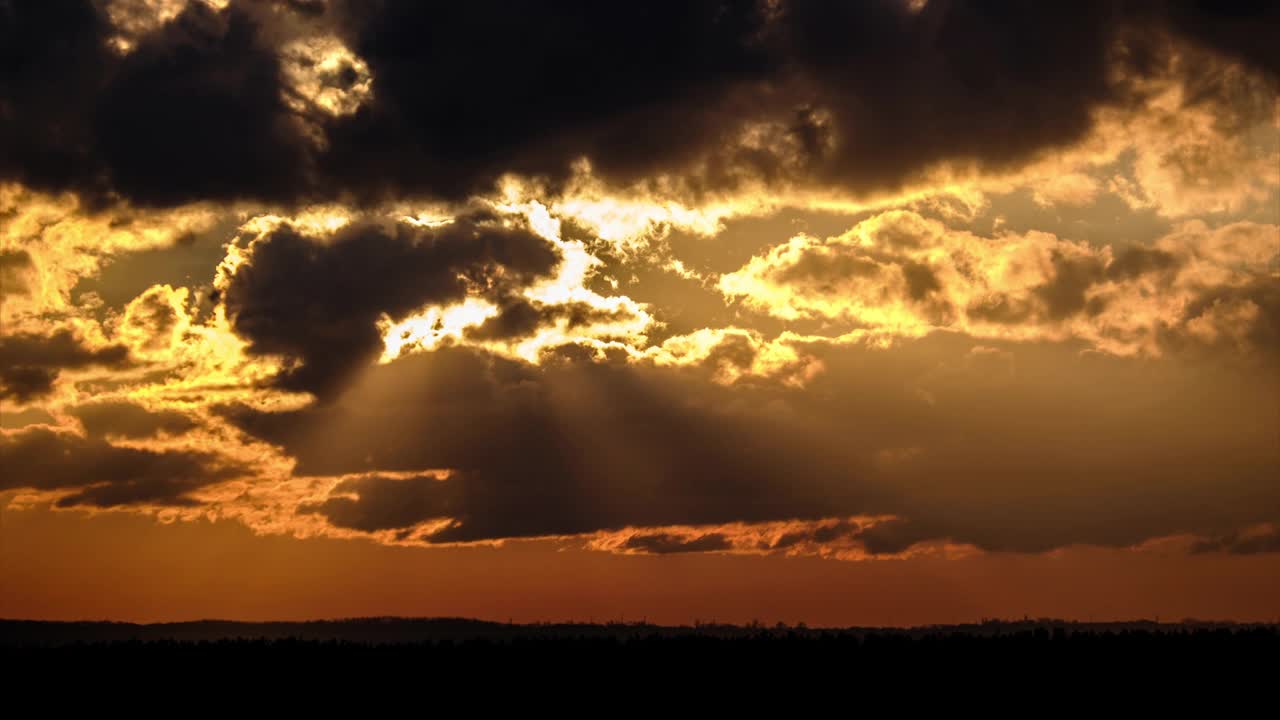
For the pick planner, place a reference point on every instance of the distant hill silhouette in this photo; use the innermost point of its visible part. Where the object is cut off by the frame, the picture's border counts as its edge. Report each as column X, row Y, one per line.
column 407, row 631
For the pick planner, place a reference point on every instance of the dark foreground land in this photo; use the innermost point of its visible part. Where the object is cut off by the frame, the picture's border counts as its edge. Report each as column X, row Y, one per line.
column 1216, row 666
column 458, row 633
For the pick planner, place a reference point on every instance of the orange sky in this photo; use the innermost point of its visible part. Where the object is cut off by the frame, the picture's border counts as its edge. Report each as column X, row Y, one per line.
column 123, row 567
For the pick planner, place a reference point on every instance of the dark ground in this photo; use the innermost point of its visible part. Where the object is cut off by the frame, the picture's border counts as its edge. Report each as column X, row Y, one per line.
column 384, row 665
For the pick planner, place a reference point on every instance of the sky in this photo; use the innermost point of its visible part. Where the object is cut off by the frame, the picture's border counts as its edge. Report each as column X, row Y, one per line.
column 882, row 313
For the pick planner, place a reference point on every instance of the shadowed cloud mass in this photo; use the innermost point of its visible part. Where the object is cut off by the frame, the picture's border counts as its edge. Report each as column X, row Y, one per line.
column 104, row 475
column 206, row 105
column 318, row 303
column 986, row 449
column 29, row 364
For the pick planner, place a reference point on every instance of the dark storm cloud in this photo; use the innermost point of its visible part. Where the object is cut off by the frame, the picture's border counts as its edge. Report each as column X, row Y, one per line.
column 867, row 94
column 194, row 112
column 52, row 62
column 30, row 364
column 871, row 92
column 1003, row 449
column 318, row 303
column 958, row 80
column 128, row 420
column 102, row 474
column 637, row 87
column 1237, row 28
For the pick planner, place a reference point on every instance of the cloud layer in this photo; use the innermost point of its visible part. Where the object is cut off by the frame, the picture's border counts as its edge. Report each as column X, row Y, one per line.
column 850, row 280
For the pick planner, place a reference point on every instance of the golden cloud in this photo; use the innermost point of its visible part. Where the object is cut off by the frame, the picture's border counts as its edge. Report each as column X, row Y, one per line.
column 905, row 275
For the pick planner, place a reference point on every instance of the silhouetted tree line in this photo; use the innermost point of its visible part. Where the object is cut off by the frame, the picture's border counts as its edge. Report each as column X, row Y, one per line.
column 707, row 669
column 399, row 646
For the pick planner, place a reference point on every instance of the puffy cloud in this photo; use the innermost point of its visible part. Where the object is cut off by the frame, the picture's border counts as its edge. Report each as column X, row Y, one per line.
column 1199, row 150
column 733, row 354
column 133, row 19
column 1071, row 189
column 522, row 322
column 1237, row 318
column 49, row 244
column 906, row 275
column 323, row 73
column 155, row 321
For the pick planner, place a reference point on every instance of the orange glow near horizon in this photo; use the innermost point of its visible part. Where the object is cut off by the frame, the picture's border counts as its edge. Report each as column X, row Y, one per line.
column 57, row 566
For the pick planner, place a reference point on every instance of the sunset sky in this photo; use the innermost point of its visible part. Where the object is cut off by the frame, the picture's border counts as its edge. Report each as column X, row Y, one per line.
column 876, row 312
